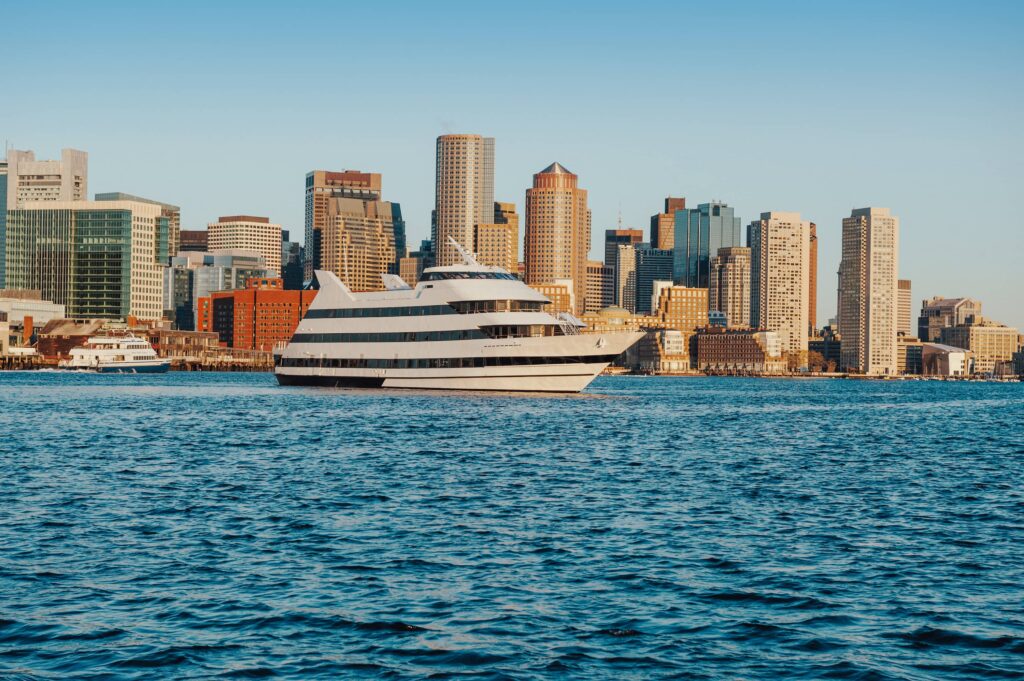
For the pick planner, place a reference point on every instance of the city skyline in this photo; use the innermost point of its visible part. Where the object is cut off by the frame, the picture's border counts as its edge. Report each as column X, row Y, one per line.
column 633, row 135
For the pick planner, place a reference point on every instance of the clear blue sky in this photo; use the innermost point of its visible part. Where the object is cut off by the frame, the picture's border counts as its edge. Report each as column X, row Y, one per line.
column 814, row 107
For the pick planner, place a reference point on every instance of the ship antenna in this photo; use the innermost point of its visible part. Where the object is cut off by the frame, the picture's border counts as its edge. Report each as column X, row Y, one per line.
column 467, row 257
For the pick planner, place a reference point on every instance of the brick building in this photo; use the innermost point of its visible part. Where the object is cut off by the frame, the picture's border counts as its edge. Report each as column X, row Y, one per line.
column 258, row 317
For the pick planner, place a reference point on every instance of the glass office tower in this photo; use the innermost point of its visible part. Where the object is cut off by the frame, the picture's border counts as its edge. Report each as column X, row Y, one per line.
column 699, row 233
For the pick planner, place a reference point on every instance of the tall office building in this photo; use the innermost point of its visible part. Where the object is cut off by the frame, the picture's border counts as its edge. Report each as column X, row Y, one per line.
column 172, row 213
column 101, row 259
column 557, row 231
column 812, row 284
column 321, row 187
column 613, row 238
column 497, row 242
column 699, row 233
column 464, row 192
column 357, row 241
column 779, row 272
column 663, row 225
column 600, row 286
column 193, row 240
column 867, row 289
column 291, row 263
column 940, row 313
column 3, row 222
column 248, row 233
column 32, row 180
column 729, row 292
column 624, row 276
column 904, row 307
column 652, row 264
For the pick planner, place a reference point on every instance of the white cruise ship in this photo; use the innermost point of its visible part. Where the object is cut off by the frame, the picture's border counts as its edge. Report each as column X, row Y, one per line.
column 116, row 354
column 464, row 327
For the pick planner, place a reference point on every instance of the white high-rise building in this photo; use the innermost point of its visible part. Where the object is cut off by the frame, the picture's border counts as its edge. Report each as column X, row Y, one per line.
column 30, row 180
column 465, row 192
column 779, row 274
column 868, row 292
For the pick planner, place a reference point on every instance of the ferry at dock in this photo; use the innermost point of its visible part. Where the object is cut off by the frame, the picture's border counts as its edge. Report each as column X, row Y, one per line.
column 116, row 354
column 463, row 327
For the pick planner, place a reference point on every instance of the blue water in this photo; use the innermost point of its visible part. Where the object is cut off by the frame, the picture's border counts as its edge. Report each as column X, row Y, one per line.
column 215, row 525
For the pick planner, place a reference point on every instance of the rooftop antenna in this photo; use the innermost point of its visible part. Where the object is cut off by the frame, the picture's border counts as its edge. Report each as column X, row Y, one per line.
column 620, row 216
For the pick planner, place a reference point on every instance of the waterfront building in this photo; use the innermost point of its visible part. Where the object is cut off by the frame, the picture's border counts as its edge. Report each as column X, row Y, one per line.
column 1018, row 362
column 739, row 351
column 58, row 337
column 600, row 286
column 497, row 242
column 904, row 308
column 867, row 289
column 557, row 240
column 358, row 241
column 729, row 290
column 779, row 272
column 663, row 225
column 464, row 195
column 699, row 233
column 171, row 212
column 624, row 276
column 940, row 313
column 990, row 342
column 663, row 351
column 321, row 187
column 193, row 275
column 908, row 355
column 561, row 293
column 259, row 317
column 938, row 359
column 652, row 264
column 193, row 240
column 681, row 307
column 100, row 259
column 812, row 282
column 248, row 233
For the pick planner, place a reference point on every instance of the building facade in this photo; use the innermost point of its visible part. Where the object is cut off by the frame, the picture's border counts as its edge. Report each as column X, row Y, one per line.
column 100, row 259
column 193, row 275
column 940, row 313
column 990, row 342
column 464, row 195
column 699, row 233
column 600, row 286
column 624, row 276
column 729, row 290
column 663, row 225
column 321, row 187
column 557, row 241
column 497, row 243
column 739, row 351
column 868, row 290
column 171, row 212
column 652, row 264
column 260, row 317
column 248, row 233
column 812, row 283
column 193, row 240
column 779, row 273
column 904, row 308
column 357, row 241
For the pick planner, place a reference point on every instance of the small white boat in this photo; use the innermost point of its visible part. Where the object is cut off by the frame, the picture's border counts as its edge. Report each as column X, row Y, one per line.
column 116, row 354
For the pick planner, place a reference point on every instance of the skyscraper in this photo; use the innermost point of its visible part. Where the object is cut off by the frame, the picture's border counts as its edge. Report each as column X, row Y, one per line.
column 172, row 213
column 867, row 288
column 497, row 242
column 248, row 233
column 357, row 241
column 779, row 272
column 624, row 276
column 3, row 222
column 100, row 259
column 812, row 284
column 663, row 225
column 652, row 264
column 32, row 180
column 557, row 231
column 730, row 285
column 321, row 187
column 699, row 233
column 464, row 192
column 904, row 304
